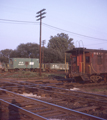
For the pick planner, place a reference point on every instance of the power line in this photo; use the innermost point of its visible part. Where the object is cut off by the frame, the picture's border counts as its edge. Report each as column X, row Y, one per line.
column 17, row 21
column 75, row 33
column 97, row 43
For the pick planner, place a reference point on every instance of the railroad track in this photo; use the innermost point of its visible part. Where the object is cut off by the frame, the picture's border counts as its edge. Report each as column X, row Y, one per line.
column 80, row 101
column 67, row 84
column 32, row 87
column 26, row 108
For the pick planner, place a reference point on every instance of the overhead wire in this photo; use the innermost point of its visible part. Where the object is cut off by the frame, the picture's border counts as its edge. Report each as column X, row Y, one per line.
column 17, row 21
column 30, row 22
column 98, row 43
column 76, row 33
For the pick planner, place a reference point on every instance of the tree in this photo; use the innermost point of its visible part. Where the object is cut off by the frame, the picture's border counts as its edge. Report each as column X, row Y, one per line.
column 14, row 54
column 61, row 42
column 5, row 55
column 27, row 50
column 52, row 56
column 54, row 53
column 6, row 52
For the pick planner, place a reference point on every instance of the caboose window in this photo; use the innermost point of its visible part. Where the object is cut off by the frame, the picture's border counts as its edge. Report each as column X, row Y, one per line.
column 99, row 59
column 87, row 59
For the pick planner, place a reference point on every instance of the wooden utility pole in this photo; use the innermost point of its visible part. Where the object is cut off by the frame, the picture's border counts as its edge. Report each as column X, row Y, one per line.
column 41, row 13
column 65, row 62
column 43, row 42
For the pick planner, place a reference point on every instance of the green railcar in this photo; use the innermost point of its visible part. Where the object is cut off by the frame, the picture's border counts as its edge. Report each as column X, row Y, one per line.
column 23, row 63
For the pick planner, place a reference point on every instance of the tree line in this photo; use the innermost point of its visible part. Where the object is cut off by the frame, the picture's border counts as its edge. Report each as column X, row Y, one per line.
column 53, row 53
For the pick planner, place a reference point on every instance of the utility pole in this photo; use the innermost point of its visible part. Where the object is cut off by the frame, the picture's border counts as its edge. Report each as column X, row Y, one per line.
column 41, row 13
column 43, row 42
column 65, row 63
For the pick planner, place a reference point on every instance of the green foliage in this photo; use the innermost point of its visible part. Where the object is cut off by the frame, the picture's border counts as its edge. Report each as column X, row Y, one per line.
column 5, row 55
column 26, row 51
column 60, row 44
column 52, row 56
column 54, row 53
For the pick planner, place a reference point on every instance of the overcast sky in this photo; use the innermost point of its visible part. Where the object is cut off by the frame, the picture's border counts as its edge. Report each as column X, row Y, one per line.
column 82, row 20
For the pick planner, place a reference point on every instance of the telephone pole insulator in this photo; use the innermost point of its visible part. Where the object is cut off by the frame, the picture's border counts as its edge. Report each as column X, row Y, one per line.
column 40, row 17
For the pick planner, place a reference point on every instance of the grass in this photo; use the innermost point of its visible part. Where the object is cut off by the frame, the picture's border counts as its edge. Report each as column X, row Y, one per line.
column 29, row 74
column 96, row 90
column 99, row 89
column 22, row 74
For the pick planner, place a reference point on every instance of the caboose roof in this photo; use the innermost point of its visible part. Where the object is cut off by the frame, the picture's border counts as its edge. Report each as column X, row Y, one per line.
column 80, row 50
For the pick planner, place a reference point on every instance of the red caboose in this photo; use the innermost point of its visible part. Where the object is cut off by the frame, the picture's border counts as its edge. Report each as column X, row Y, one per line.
column 92, row 62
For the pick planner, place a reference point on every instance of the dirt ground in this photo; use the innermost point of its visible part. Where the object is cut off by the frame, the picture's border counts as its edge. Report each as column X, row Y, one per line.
column 47, row 76
column 97, row 90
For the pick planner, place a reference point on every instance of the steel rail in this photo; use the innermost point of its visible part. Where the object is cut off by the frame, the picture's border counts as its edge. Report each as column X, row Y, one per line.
column 92, row 99
column 67, row 94
column 58, row 92
column 84, row 115
column 105, row 96
column 68, row 90
column 70, row 95
column 24, row 111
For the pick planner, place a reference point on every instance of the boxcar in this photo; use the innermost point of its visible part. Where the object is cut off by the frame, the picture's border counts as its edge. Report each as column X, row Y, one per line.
column 90, row 62
column 23, row 63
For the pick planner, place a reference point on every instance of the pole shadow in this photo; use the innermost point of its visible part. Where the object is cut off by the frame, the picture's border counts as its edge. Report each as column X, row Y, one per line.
column 0, row 111
column 14, row 112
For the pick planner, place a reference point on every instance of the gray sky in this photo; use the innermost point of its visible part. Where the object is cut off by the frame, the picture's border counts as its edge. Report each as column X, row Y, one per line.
column 75, row 17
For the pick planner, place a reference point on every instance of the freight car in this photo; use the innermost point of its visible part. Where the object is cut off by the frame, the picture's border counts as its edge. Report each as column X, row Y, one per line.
column 31, row 64
column 55, row 66
column 88, row 64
